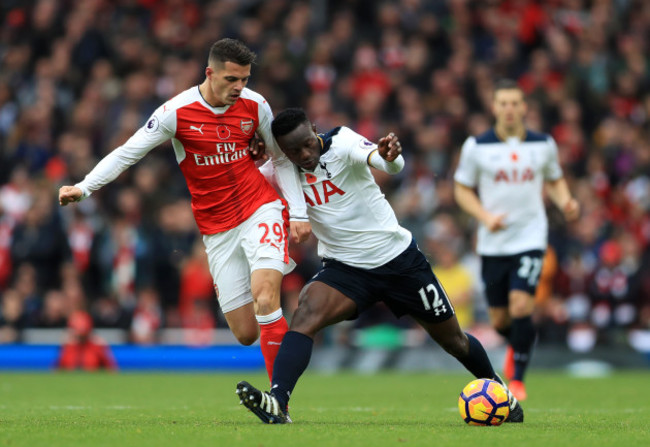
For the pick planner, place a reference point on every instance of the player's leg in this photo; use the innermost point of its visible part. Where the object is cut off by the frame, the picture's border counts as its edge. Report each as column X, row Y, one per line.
column 495, row 272
column 243, row 324
column 464, row 347
column 501, row 322
column 264, row 241
column 524, row 276
column 232, row 284
column 320, row 305
column 416, row 291
column 522, row 338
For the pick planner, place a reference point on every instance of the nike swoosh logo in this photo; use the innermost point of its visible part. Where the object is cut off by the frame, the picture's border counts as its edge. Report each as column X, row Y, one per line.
column 273, row 343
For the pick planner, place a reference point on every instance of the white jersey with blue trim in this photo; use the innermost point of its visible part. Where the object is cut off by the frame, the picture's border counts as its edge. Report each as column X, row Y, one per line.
column 510, row 176
column 350, row 216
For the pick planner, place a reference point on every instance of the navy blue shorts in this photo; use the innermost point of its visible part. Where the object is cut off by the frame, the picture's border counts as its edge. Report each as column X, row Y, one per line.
column 501, row 274
column 406, row 284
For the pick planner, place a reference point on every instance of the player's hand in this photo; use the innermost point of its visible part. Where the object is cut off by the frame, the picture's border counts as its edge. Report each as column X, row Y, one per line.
column 389, row 147
column 571, row 210
column 300, row 231
column 257, row 148
column 494, row 222
column 68, row 194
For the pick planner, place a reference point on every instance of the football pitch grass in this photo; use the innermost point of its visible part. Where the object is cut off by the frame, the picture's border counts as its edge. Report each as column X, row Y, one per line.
column 387, row 409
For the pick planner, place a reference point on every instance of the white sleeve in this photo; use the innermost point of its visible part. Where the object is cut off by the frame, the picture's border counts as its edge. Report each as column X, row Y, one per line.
column 363, row 151
column 286, row 174
column 160, row 127
column 467, row 171
column 552, row 169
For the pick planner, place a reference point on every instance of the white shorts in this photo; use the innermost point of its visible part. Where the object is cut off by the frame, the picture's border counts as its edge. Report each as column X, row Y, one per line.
column 260, row 242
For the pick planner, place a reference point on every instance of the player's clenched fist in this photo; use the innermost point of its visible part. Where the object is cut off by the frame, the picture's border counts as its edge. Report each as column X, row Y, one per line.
column 389, row 147
column 69, row 194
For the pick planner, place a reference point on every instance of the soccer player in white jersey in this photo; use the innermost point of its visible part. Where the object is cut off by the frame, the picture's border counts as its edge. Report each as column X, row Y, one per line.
column 241, row 217
column 367, row 257
column 509, row 165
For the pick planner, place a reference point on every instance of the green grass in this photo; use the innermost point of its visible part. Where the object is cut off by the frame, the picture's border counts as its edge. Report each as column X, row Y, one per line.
column 340, row 410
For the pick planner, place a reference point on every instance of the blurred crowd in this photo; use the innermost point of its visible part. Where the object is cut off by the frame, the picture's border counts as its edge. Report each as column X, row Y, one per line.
column 77, row 78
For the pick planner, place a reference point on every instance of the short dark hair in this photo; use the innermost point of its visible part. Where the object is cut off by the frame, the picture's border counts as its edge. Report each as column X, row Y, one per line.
column 506, row 84
column 231, row 50
column 287, row 121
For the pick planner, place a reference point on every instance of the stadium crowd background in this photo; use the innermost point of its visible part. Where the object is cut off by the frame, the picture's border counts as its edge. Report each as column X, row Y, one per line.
column 77, row 78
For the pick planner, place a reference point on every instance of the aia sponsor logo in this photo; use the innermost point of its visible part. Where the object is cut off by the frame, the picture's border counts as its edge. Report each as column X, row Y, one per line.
column 514, row 175
column 322, row 195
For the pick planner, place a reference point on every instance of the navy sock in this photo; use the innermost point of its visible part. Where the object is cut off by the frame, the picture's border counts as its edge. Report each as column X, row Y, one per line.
column 505, row 332
column 521, row 340
column 477, row 361
column 291, row 361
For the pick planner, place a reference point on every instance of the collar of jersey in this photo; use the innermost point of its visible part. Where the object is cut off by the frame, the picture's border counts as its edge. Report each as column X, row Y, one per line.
column 221, row 109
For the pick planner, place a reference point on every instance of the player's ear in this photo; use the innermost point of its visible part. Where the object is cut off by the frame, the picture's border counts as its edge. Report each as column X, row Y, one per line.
column 313, row 127
column 208, row 72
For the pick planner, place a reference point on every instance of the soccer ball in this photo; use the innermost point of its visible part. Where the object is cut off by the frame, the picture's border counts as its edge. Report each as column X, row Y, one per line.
column 484, row 402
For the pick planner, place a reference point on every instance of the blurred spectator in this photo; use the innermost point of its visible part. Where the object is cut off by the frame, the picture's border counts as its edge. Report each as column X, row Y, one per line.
column 82, row 349
column 77, row 78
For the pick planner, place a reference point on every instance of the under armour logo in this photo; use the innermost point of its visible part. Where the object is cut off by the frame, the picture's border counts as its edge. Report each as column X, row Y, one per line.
column 198, row 129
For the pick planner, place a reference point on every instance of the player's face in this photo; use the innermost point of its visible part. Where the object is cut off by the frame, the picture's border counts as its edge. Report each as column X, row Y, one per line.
column 227, row 80
column 509, row 107
column 301, row 146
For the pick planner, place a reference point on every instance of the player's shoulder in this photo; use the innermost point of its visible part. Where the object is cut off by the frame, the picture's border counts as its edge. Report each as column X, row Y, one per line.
column 184, row 98
column 488, row 137
column 343, row 139
column 252, row 95
column 331, row 139
column 536, row 137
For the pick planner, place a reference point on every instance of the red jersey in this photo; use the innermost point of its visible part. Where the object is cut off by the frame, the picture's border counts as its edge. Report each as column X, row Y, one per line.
column 91, row 355
column 211, row 147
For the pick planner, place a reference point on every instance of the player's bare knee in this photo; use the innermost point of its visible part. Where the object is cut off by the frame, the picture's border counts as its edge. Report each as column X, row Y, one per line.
column 247, row 339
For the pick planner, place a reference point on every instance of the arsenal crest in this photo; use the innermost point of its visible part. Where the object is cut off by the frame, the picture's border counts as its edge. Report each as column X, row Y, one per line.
column 246, row 126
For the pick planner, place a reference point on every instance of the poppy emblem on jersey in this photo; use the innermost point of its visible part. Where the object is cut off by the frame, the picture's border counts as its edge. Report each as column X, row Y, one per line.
column 311, row 178
column 223, row 132
column 514, row 157
column 246, row 126
column 152, row 125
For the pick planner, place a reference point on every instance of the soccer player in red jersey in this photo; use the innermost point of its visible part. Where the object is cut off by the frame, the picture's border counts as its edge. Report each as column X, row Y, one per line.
column 242, row 218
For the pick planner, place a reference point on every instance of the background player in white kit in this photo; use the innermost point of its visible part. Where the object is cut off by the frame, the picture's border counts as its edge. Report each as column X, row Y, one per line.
column 367, row 257
column 241, row 217
column 509, row 165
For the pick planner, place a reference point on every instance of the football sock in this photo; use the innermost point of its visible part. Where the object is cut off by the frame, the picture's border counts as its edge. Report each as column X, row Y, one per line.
column 477, row 361
column 505, row 332
column 291, row 362
column 272, row 330
column 521, row 340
